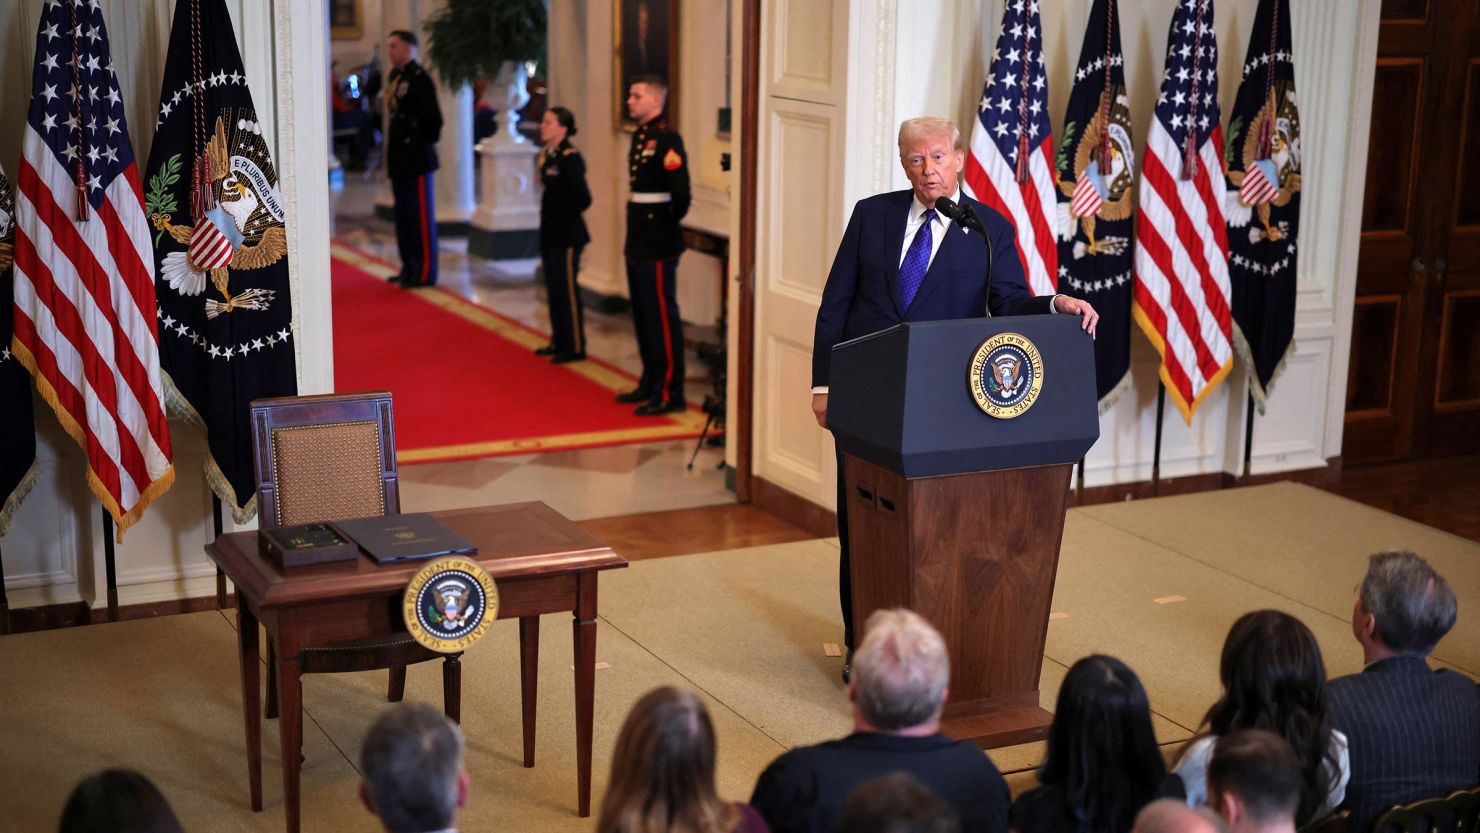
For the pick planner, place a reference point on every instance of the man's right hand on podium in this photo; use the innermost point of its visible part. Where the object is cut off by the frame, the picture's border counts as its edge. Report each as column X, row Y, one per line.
column 819, row 408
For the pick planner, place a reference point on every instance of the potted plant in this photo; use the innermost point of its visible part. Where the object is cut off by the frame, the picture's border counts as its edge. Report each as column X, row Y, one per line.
column 493, row 39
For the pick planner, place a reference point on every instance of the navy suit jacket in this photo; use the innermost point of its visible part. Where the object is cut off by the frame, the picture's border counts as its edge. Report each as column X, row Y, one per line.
column 1412, row 733
column 862, row 292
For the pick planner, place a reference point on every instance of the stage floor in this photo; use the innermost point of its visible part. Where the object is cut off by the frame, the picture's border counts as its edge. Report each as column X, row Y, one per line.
column 1154, row 582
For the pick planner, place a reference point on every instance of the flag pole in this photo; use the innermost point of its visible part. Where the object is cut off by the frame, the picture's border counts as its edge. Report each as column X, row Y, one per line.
column 109, row 567
column 4, row 602
column 1079, row 483
column 220, row 576
column 1248, row 434
column 1161, row 404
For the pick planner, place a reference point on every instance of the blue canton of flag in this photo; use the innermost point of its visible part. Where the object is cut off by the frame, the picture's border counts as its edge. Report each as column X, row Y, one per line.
column 1009, row 166
column 1189, row 90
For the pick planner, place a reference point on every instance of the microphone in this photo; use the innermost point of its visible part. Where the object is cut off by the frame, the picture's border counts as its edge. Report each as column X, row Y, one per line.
column 962, row 216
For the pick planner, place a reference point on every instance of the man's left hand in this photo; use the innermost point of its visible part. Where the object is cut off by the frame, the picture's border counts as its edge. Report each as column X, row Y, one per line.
column 1074, row 306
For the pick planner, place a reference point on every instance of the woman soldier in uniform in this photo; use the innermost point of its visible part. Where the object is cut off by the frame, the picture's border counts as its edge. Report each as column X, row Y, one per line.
column 563, row 234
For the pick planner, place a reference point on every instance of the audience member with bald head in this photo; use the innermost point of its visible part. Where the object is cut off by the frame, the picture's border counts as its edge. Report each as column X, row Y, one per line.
column 1414, row 731
column 1168, row 815
column 899, row 684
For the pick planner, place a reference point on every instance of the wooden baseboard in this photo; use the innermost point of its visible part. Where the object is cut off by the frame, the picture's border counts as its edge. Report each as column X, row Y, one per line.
column 793, row 508
column 74, row 614
column 799, row 511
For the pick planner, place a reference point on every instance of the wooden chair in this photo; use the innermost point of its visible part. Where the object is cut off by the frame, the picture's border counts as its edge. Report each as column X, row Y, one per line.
column 330, row 458
column 1339, row 822
column 1457, row 812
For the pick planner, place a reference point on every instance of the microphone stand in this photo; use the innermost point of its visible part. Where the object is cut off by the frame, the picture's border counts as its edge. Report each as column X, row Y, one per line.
column 963, row 215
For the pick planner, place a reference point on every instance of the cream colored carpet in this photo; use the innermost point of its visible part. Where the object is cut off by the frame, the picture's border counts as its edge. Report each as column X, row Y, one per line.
column 1156, row 583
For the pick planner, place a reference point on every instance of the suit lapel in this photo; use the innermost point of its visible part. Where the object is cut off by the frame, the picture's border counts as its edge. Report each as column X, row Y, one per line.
column 896, row 217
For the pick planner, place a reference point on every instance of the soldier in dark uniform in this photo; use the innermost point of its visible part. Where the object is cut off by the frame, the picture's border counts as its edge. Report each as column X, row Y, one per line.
column 658, row 176
column 411, row 157
column 563, row 233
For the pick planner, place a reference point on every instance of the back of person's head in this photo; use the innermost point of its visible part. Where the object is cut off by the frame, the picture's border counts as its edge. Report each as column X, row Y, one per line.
column 900, row 671
column 1101, row 748
column 1254, row 780
column 1411, row 603
column 117, row 801
column 896, row 803
column 1171, row 815
column 662, row 776
column 1274, row 679
column 412, row 766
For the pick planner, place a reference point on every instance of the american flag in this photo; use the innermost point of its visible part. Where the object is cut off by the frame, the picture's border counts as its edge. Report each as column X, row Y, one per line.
column 1182, row 287
column 1010, row 164
column 84, row 271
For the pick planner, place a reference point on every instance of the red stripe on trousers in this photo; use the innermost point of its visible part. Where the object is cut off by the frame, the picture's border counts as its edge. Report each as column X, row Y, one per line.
column 426, row 244
column 667, row 333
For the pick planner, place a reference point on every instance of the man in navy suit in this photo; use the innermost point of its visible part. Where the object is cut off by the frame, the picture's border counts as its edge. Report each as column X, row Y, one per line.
column 1413, row 732
column 901, row 260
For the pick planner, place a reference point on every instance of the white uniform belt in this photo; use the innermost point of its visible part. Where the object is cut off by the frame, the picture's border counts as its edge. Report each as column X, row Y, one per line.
column 651, row 197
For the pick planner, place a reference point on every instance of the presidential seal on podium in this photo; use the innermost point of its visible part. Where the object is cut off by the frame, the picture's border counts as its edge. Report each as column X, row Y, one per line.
column 1005, row 375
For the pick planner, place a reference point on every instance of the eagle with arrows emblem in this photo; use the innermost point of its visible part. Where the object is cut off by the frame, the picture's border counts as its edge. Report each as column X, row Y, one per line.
column 238, row 226
column 1104, row 183
column 1271, row 174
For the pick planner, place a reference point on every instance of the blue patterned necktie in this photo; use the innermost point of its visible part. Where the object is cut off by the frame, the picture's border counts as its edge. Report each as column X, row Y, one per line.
column 916, row 261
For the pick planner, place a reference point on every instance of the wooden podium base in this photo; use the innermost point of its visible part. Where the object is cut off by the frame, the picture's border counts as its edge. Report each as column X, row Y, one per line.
column 976, row 555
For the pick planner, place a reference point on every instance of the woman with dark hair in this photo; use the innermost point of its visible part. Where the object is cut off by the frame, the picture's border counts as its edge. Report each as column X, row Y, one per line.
column 117, row 801
column 1103, row 764
column 662, row 777
column 563, row 234
column 1274, row 679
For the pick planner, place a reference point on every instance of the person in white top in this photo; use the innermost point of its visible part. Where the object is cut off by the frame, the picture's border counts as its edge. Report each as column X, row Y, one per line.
column 1274, row 679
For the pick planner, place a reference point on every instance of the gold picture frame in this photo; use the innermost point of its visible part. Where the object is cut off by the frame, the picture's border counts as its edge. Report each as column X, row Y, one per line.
column 644, row 41
column 346, row 19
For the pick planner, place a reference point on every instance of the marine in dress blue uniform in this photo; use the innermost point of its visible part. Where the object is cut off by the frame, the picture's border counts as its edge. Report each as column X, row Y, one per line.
column 563, row 234
column 410, row 158
column 658, row 179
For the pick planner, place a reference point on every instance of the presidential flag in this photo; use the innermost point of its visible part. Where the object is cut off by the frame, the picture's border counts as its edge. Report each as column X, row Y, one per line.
column 17, row 425
column 1009, row 165
column 1263, row 156
column 1096, row 165
column 84, row 275
column 220, row 242
column 1181, row 296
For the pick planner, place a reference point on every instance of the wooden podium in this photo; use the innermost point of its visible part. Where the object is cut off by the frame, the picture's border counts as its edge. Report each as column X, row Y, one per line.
column 956, row 514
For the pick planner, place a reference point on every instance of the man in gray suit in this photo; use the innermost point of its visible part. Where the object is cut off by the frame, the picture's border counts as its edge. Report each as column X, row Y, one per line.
column 1413, row 732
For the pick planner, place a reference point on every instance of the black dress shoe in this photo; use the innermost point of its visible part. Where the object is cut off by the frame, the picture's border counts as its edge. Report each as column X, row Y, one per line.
column 567, row 358
column 658, row 407
column 848, row 665
column 547, row 350
column 396, row 280
column 634, row 395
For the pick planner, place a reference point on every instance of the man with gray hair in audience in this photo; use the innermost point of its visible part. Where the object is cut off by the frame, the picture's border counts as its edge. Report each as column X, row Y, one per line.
column 1413, row 732
column 1172, row 815
column 898, row 687
column 412, row 766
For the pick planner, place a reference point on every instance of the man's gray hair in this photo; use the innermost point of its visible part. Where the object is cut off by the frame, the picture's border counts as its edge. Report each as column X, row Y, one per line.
column 913, row 130
column 1411, row 602
column 1171, row 815
column 901, row 670
column 411, row 761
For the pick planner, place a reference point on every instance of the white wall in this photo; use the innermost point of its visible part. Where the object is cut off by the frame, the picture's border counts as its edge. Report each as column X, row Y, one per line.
column 915, row 57
column 53, row 553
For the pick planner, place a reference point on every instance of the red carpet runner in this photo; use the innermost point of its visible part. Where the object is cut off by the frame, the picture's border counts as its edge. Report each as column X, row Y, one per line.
column 465, row 380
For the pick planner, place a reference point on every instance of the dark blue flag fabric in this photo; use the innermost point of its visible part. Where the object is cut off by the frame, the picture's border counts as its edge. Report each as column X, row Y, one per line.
column 1263, row 203
column 220, row 245
column 1097, row 201
column 17, row 423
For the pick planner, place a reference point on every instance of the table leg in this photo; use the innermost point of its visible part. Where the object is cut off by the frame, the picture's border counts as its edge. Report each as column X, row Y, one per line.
column 290, row 725
column 584, row 626
column 272, row 703
column 451, row 687
column 246, row 629
column 529, row 679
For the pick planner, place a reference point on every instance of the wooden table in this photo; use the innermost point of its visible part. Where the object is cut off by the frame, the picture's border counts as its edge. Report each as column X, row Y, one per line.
column 540, row 562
